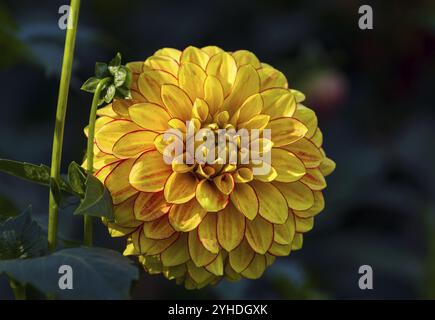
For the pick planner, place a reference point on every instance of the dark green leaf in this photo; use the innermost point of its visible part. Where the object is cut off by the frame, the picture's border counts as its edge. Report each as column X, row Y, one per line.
column 30, row 172
column 97, row 273
column 115, row 63
column 123, row 93
column 90, row 85
column 21, row 237
column 110, row 94
column 97, row 201
column 120, row 76
column 101, row 70
column 77, row 178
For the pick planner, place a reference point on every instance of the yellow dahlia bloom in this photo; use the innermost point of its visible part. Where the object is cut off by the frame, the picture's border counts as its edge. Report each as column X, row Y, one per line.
column 200, row 222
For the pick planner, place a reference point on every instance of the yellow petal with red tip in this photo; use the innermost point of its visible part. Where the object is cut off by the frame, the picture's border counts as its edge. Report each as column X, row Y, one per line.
column 241, row 257
column 256, row 268
column 298, row 195
column 286, row 130
column 120, row 106
column 180, row 187
column 224, row 183
column 158, row 229
column 150, row 83
column 134, row 143
column 117, row 182
column 135, row 66
column 187, row 216
column 273, row 206
column 224, row 68
column 230, row 227
column 278, row 103
column 149, row 173
column 150, row 246
column 308, row 117
column 213, row 94
column 244, row 57
column 194, row 55
column 209, row 196
column 246, row 84
column 169, row 52
column 199, row 254
column 259, row 234
column 271, row 78
column 177, row 102
column 164, row 63
column 177, row 253
column 284, row 233
column 110, row 132
column 191, row 79
column 150, row 206
column 107, row 111
column 314, row 179
column 250, row 108
column 207, row 232
column 288, row 167
column 245, row 200
column 327, row 166
column 149, row 116
column 124, row 215
column 306, row 151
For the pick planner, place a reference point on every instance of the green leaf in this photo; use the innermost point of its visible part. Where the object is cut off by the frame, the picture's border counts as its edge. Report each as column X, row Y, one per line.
column 77, row 178
column 90, row 85
column 110, row 94
column 97, row 201
column 97, row 273
column 7, row 209
column 115, row 63
column 30, row 172
column 101, row 70
column 123, row 93
column 120, row 76
column 21, row 237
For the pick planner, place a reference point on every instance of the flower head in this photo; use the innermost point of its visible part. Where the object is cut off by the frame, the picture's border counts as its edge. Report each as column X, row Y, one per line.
column 200, row 219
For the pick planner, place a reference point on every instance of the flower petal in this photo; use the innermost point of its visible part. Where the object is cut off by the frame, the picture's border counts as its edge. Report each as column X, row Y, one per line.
column 169, row 52
column 117, row 182
column 111, row 132
column 177, row 102
column 150, row 82
column 298, row 195
column 304, row 224
column 271, row 78
column 191, row 79
column 327, row 166
column 278, row 103
column 199, row 254
column 187, row 216
column 134, row 143
column 250, row 108
column 288, row 167
column 150, row 206
column 149, row 173
column 286, row 130
column 149, row 116
column 158, row 229
column 259, row 234
column 212, row 50
column 241, row 257
column 284, row 233
column 207, row 233
column 180, row 187
column 256, row 268
column 273, row 206
column 177, row 253
column 230, row 227
column 245, row 200
column 225, row 183
column 164, row 63
column 209, row 196
column 194, row 55
column 224, row 68
column 297, row 241
column 244, row 57
column 306, row 151
column 314, row 179
column 308, row 118
column 217, row 266
column 319, row 205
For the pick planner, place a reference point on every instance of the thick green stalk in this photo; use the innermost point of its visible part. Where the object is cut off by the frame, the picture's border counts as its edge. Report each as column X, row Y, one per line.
column 87, row 241
column 18, row 289
column 60, row 118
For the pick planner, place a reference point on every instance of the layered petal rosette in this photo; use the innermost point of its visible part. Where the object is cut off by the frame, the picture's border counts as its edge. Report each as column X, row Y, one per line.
column 194, row 221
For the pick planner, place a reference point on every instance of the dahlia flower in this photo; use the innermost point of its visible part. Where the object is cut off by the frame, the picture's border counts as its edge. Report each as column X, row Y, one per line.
column 199, row 222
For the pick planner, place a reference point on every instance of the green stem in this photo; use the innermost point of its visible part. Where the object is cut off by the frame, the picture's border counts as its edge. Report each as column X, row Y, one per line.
column 87, row 241
column 60, row 119
column 18, row 289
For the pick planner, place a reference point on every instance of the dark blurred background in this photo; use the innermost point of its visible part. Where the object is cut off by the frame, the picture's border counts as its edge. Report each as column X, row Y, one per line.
column 373, row 91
